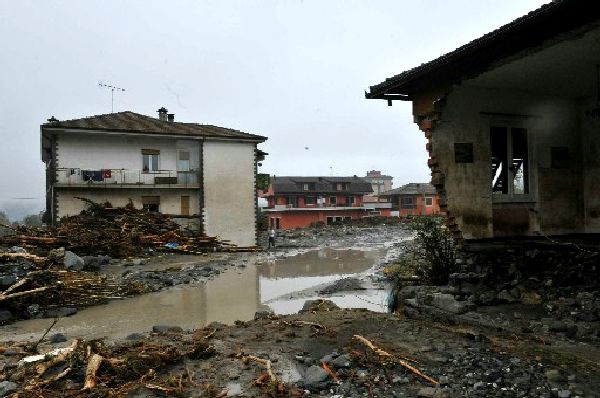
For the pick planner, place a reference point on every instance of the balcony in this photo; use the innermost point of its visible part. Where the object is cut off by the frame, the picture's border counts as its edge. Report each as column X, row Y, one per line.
column 126, row 178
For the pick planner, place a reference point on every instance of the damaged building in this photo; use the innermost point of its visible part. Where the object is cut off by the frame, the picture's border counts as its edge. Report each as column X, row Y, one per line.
column 202, row 175
column 512, row 121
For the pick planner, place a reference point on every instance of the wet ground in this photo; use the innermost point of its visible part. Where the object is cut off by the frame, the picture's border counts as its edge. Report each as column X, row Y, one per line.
column 227, row 288
column 219, row 295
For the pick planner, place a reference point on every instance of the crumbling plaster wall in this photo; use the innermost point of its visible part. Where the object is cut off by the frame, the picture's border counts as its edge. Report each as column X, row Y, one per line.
column 229, row 191
column 590, row 130
column 466, row 187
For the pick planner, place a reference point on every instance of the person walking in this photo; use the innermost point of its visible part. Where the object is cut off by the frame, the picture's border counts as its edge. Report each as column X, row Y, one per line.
column 271, row 238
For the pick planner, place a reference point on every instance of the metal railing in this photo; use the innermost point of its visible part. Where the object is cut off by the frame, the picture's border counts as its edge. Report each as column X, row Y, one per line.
column 128, row 177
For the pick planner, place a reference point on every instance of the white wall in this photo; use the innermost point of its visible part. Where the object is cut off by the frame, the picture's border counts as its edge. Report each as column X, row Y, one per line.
column 102, row 151
column 229, row 191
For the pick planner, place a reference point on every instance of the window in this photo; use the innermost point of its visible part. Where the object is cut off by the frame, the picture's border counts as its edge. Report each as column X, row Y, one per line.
column 292, row 201
column 407, row 202
column 341, row 186
column 428, row 201
column 350, row 200
column 150, row 160
column 310, row 200
column 308, row 186
column 333, row 200
column 151, row 203
column 509, row 161
column 183, row 161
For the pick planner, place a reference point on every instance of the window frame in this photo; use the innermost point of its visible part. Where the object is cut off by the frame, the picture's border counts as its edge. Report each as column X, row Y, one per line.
column 150, row 154
column 404, row 205
column 517, row 122
column 430, row 200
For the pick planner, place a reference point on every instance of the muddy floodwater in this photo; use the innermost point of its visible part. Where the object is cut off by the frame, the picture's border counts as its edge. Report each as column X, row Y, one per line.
column 281, row 284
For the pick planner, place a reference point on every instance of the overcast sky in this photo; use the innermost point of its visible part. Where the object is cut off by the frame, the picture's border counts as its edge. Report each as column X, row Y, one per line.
column 294, row 71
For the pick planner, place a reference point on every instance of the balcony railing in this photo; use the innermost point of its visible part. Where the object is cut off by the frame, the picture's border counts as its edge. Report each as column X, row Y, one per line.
column 126, row 177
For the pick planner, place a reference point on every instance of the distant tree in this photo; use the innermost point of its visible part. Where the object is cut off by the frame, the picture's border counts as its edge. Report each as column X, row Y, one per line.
column 262, row 181
column 32, row 220
column 4, row 220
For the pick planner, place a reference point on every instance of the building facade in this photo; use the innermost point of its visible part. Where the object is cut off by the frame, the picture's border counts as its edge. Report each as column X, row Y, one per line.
column 413, row 199
column 298, row 202
column 379, row 182
column 513, row 125
column 204, row 176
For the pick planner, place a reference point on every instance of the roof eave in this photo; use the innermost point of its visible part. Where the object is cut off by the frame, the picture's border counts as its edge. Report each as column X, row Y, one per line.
column 253, row 138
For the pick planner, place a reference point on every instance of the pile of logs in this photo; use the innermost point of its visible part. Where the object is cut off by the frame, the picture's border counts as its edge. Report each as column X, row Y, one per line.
column 50, row 289
column 119, row 232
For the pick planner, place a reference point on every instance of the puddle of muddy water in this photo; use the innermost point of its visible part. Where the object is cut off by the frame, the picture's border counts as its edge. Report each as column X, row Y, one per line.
column 235, row 294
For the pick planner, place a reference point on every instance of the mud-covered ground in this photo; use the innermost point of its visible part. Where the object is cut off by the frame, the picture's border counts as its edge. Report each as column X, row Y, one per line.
column 418, row 359
column 316, row 352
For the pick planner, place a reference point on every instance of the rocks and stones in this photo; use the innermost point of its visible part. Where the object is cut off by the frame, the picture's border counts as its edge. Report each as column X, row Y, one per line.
column 5, row 316
column 343, row 361
column 343, row 285
column 135, row 337
column 263, row 314
column 431, row 392
column 7, row 387
column 59, row 312
column 319, row 305
column 73, row 262
column 531, row 298
column 7, row 280
column 93, row 263
column 166, row 329
column 448, row 303
column 314, row 375
column 57, row 338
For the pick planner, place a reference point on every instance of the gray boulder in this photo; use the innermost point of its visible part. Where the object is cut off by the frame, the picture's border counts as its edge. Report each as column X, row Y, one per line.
column 5, row 315
column 73, row 262
column 7, row 387
column 447, row 302
column 314, row 375
column 6, row 281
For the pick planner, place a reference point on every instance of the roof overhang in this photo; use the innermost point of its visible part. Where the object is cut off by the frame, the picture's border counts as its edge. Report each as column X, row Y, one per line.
column 529, row 32
column 61, row 130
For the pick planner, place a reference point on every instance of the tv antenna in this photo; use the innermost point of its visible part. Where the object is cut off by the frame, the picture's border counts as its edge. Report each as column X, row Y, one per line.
column 112, row 93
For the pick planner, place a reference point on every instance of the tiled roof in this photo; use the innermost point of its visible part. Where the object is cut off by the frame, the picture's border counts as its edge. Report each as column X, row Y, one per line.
column 137, row 123
column 524, row 32
column 290, row 184
column 413, row 188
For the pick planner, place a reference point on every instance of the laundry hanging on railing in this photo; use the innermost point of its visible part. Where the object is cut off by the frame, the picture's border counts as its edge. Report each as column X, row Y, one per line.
column 92, row 175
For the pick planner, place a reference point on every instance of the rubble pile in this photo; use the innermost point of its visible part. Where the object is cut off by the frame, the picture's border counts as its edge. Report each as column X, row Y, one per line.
column 119, row 232
column 96, row 369
column 530, row 287
column 43, row 287
column 323, row 352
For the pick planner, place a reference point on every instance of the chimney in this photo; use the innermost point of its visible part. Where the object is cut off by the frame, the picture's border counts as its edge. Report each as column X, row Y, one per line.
column 162, row 113
column 171, row 117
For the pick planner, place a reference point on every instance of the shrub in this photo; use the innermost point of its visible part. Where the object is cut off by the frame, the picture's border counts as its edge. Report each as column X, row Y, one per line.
column 436, row 247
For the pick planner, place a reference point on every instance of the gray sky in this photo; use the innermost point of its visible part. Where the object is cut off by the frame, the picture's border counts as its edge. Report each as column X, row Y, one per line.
column 294, row 71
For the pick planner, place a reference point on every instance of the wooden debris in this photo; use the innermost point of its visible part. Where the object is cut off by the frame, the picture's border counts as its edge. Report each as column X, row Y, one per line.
column 264, row 362
column 401, row 362
column 93, row 365
column 102, row 229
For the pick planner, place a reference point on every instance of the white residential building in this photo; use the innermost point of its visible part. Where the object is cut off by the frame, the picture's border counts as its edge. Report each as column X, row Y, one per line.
column 203, row 175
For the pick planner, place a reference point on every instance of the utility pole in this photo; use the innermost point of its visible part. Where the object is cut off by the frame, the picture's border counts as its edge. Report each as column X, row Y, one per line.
column 112, row 94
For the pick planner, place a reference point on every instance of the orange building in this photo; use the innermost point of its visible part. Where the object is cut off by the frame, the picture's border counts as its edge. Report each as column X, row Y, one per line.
column 298, row 202
column 413, row 199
